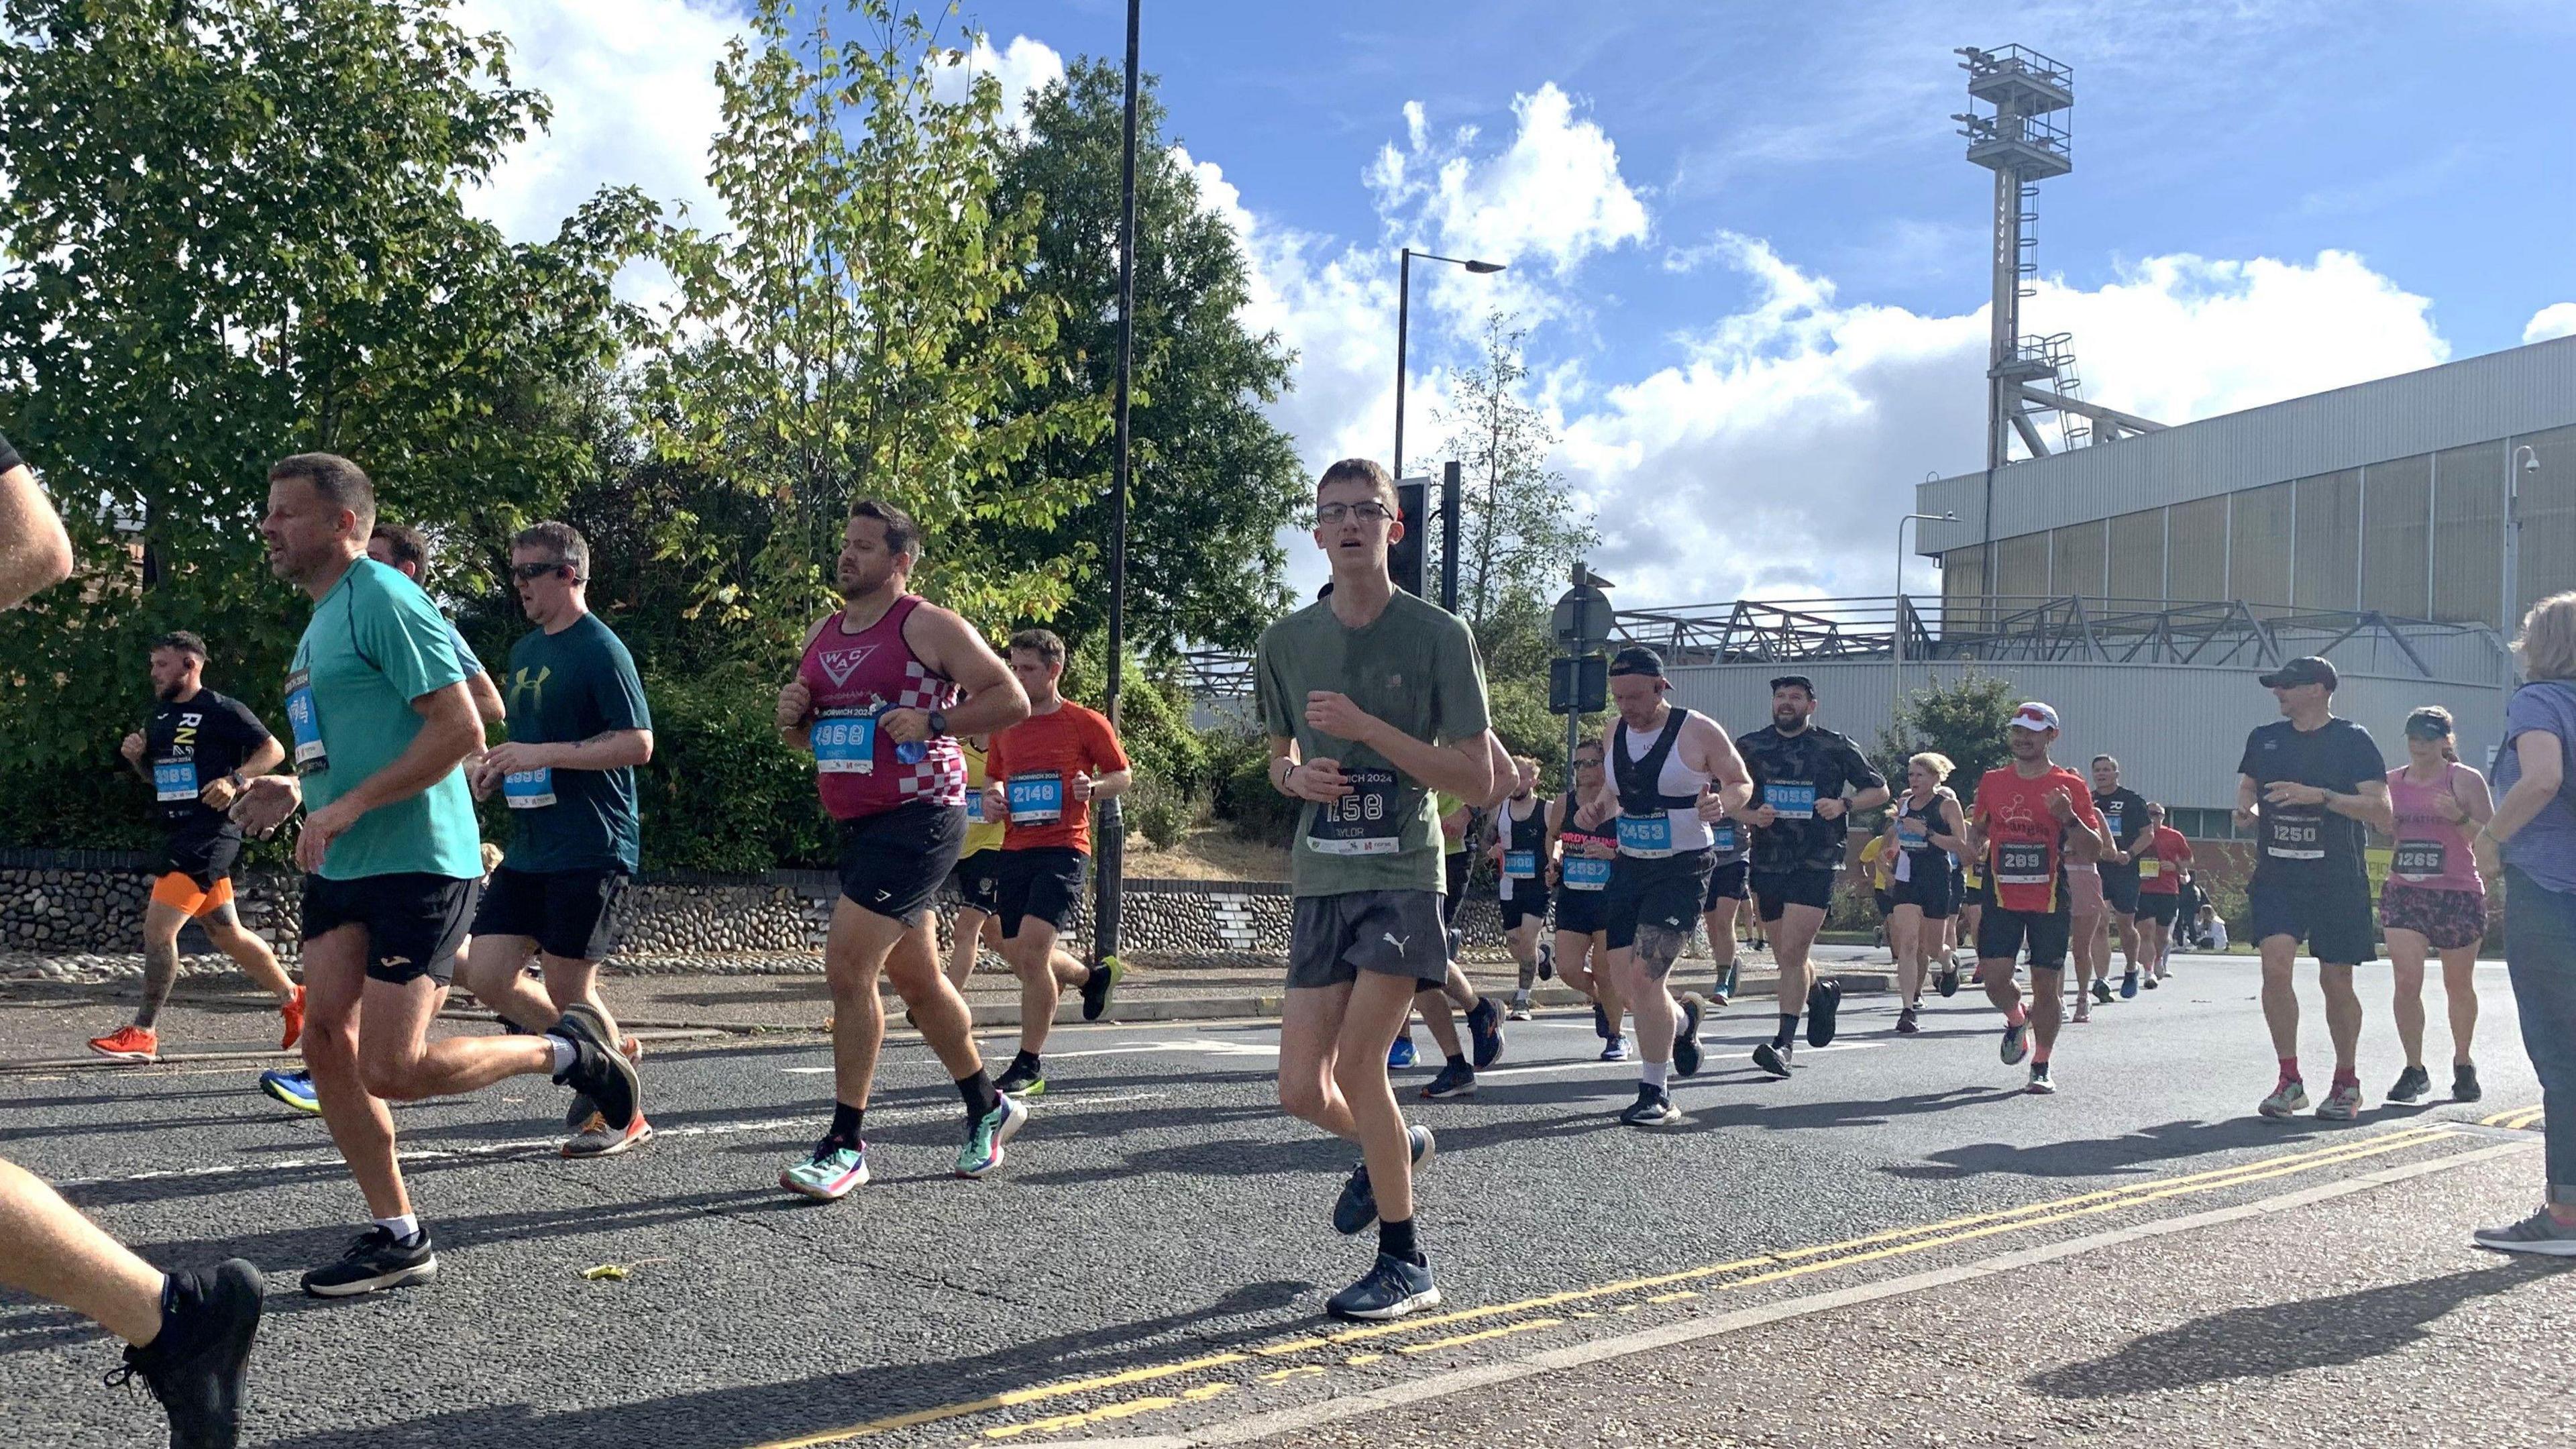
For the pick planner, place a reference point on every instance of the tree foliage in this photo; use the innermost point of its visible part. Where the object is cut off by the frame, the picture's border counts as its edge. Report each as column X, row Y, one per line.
column 1964, row 719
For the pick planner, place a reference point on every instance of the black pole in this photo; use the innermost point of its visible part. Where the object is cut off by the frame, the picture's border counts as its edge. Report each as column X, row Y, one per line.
column 1110, row 881
column 1449, row 537
column 1403, row 317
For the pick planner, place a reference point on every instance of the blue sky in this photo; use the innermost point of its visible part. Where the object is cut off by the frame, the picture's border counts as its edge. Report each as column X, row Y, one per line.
column 1742, row 235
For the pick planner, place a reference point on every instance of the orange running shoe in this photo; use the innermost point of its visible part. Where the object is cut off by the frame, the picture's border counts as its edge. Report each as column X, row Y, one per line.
column 129, row 1044
column 293, row 1012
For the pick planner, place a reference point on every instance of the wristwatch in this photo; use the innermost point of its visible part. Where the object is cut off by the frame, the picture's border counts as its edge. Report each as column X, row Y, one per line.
column 238, row 783
column 938, row 722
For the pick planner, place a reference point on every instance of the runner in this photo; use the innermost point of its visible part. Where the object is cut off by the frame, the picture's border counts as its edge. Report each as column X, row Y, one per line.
column 1583, row 860
column 1730, row 844
column 1457, row 1075
column 381, row 721
column 1664, row 794
column 2307, row 785
column 1871, row 870
column 197, row 751
column 1046, row 771
column 2162, row 856
column 579, row 729
column 2434, row 900
column 1800, row 773
column 1922, row 831
column 875, row 700
column 1523, row 856
column 188, row 1334
column 1975, row 894
column 2084, row 883
column 976, row 883
column 1372, row 699
column 2026, row 816
column 2124, row 814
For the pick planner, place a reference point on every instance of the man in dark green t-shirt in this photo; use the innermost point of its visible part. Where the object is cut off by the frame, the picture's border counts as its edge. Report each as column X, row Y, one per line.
column 578, row 729
column 1372, row 700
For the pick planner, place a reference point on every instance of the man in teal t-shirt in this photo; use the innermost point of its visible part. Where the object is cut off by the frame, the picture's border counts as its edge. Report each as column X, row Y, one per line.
column 381, row 718
column 578, row 729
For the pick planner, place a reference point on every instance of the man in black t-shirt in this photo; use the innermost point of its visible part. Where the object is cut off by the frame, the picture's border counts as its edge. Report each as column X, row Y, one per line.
column 195, row 753
column 2124, row 814
column 2307, row 785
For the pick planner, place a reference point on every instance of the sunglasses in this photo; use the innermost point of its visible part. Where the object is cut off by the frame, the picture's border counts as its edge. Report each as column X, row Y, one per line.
column 531, row 572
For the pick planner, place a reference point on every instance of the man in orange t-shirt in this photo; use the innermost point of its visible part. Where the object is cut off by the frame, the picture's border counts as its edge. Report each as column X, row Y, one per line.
column 1044, row 772
column 2025, row 815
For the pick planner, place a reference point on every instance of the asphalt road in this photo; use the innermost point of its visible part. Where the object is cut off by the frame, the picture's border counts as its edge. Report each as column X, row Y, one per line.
column 1154, row 1257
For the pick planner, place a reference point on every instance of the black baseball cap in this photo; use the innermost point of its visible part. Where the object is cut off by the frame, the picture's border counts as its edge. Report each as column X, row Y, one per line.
column 1637, row 659
column 2308, row 669
column 1800, row 680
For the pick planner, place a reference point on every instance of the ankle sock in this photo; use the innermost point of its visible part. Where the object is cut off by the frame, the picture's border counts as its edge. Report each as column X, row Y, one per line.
column 846, row 1122
column 2290, row 1070
column 1788, row 1029
column 404, row 1228
column 1654, row 1074
column 565, row 1052
column 978, row 1092
column 1396, row 1240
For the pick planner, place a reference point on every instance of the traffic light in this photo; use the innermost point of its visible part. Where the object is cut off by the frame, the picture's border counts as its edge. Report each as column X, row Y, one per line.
column 1404, row 556
column 1578, row 686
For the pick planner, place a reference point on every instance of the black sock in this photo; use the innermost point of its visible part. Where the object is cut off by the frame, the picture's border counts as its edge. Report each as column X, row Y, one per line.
column 979, row 1094
column 1458, row 1060
column 846, row 1121
column 1025, row 1059
column 1788, row 1029
column 1094, row 977
column 1396, row 1240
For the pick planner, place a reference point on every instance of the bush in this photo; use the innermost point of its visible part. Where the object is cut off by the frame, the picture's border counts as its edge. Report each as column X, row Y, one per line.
column 1160, row 810
column 723, row 792
column 1244, row 799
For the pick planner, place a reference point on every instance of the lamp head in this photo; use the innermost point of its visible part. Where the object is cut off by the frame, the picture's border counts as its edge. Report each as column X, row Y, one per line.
column 1482, row 267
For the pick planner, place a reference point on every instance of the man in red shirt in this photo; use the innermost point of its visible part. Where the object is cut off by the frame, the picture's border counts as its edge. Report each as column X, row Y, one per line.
column 1043, row 774
column 2025, row 813
column 2161, row 860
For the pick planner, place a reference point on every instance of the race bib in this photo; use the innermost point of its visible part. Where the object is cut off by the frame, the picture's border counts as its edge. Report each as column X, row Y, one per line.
column 2021, row 862
column 845, row 742
column 2111, row 820
column 174, row 780
column 305, row 724
column 529, row 789
column 975, row 805
column 2150, row 868
column 1647, row 837
column 1792, row 799
column 2295, row 834
column 1725, row 837
column 1521, row 864
column 2419, row 859
column 1362, row 822
column 1913, row 834
column 1583, row 873
column 1036, row 799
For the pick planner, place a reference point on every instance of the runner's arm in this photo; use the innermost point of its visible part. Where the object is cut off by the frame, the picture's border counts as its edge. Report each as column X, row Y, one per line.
column 1857, row 767
column 268, row 756
column 35, row 553
column 2537, row 750
column 1462, row 767
column 1957, row 838
column 2479, row 801
column 487, row 700
column 2368, row 804
column 796, row 702
column 1708, row 750
column 952, row 649
column 2249, row 801
column 606, row 750
column 449, row 732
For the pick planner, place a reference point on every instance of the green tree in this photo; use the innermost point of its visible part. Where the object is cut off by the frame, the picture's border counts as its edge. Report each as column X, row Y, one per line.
column 235, row 230
column 1964, row 719
column 1520, row 527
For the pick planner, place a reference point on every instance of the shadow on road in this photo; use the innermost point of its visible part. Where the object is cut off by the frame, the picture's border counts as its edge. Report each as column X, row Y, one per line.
column 2141, row 1150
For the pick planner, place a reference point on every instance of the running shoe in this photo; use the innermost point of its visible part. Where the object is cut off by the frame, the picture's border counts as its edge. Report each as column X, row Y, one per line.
column 1600, row 1022
column 595, row 1138
column 1547, row 960
column 1391, row 1288
column 1773, row 1057
column 1100, row 986
column 1401, row 1053
column 1686, row 1052
column 1824, row 999
column 1485, row 1025
column 198, row 1362
column 984, row 1140
column 2287, row 1100
column 294, row 1088
column 1456, row 1079
column 2129, row 984
column 1457, row 942
column 292, row 1014
column 1948, row 981
column 1024, row 1079
column 2153, row 978
column 1356, row 1208
column 2016, row 1042
column 831, row 1173
column 598, row 1070
column 1724, row 991
column 2102, row 991
column 1615, row 1049
column 2083, row 1011
column 2412, row 1084
column 375, row 1261
column 2040, row 1085
column 129, row 1044
column 1520, row 1007
column 1653, row 1108
column 2342, row 1104
column 2464, row 1083
column 1907, row 1023
column 2538, row 1233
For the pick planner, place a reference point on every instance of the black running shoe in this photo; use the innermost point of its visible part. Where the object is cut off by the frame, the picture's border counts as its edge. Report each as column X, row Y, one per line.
column 598, row 1071
column 1457, row 1079
column 1391, row 1288
column 2412, row 1084
column 2464, row 1082
column 196, row 1366
column 1773, row 1057
column 1357, row 1206
column 1485, row 1024
column 1823, row 1000
column 1024, row 1079
column 1100, row 986
column 1600, row 1022
column 1949, row 979
column 1906, row 1022
column 2102, row 991
column 1547, row 960
column 1686, row 1052
column 1653, row 1108
column 375, row 1262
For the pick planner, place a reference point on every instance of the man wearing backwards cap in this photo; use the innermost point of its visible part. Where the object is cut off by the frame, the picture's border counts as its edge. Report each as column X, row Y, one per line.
column 2308, row 784
column 2020, row 827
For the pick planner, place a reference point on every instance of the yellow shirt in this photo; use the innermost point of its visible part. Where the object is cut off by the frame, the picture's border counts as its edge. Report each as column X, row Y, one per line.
column 985, row 835
column 1881, row 861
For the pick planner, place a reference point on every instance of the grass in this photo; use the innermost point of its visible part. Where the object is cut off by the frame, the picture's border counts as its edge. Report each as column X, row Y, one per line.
column 1208, row 852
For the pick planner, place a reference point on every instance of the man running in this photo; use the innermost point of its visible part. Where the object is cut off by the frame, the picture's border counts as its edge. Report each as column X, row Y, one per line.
column 875, row 698
column 579, row 729
column 381, row 721
column 2307, row 785
column 2026, row 816
column 1522, row 857
column 1801, row 772
column 2124, row 814
column 1045, row 771
column 1583, row 864
column 2162, row 857
column 197, row 751
column 977, row 880
column 1665, row 793
column 1372, row 700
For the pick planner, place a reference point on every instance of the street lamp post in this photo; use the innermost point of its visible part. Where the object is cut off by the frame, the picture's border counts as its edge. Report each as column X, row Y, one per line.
column 1109, row 879
column 1404, row 321
column 2526, row 459
column 1896, row 669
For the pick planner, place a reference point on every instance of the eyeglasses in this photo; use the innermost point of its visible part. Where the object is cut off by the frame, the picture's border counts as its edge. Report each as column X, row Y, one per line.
column 528, row 573
column 1332, row 513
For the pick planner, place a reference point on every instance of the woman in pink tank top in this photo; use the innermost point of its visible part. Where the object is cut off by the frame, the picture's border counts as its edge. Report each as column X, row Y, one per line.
column 2434, row 900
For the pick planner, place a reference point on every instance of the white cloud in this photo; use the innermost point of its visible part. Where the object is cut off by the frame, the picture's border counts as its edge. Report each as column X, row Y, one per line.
column 1022, row 67
column 2558, row 319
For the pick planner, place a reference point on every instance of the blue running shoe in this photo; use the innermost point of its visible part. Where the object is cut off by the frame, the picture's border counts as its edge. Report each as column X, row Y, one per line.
column 1485, row 1030
column 1391, row 1288
column 1400, row 1054
column 2129, row 984
column 1615, row 1049
column 294, row 1088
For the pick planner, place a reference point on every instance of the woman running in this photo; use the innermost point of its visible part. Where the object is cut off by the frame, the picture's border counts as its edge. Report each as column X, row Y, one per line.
column 2434, row 900
column 1923, row 828
column 1582, row 864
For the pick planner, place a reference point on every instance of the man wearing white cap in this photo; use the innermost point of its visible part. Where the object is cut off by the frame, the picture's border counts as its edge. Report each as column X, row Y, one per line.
column 2021, row 826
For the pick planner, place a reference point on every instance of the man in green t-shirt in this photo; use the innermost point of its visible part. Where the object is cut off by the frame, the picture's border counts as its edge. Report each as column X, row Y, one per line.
column 578, row 729
column 381, row 719
column 1372, row 700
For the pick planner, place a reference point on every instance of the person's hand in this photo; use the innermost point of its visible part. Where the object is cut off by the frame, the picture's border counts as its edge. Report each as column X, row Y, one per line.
column 1079, row 787
column 1601, row 850
column 1334, row 714
column 1555, row 874
column 1318, row 780
column 267, row 803
column 795, row 704
column 1712, row 806
column 2061, row 805
column 1591, row 817
column 132, row 749
column 2291, row 792
column 908, row 727
column 1829, row 807
column 2490, row 857
column 997, row 803
column 514, row 756
column 1761, row 817
column 481, row 778
column 321, row 828
column 2245, row 818
column 2448, row 806
column 218, row 795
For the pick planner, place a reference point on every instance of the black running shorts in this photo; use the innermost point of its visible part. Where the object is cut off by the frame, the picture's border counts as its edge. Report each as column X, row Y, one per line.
column 2120, row 888
column 976, row 882
column 1728, row 882
column 2333, row 918
column 570, row 914
column 1332, row 939
column 413, row 921
column 1042, row 884
column 1774, row 891
column 893, row 861
column 1582, row 912
column 1527, row 902
column 1928, row 892
column 2001, row 934
column 1661, row 893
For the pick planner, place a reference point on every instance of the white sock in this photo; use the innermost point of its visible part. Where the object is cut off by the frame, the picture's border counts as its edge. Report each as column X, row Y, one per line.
column 1653, row 1074
column 565, row 1052
column 404, row 1228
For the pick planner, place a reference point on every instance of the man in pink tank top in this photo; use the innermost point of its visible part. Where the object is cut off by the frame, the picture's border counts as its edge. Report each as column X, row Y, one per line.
column 871, row 701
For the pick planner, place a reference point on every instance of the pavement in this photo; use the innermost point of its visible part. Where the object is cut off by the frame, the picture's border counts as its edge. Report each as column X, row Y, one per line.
column 1894, row 1246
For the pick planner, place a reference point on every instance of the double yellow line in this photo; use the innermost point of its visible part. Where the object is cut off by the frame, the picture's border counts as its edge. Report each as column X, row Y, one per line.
column 2515, row 1118
column 1661, row 1288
